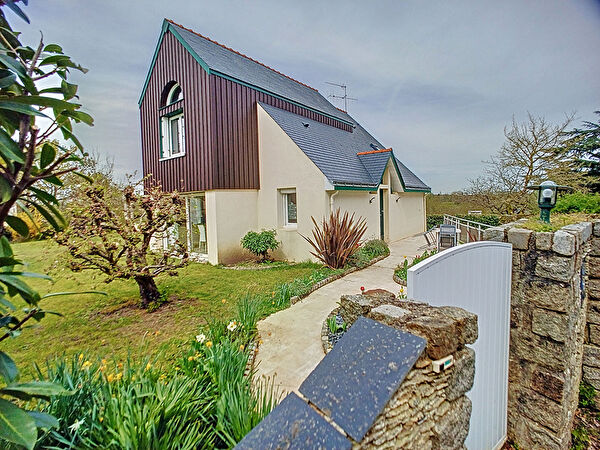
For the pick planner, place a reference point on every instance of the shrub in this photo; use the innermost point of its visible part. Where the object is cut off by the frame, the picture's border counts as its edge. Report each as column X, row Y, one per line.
column 337, row 238
column 587, row 395
column 578, row 202
column 260, row 243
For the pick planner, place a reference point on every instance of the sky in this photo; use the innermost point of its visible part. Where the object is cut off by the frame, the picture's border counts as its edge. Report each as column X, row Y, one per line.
column 437, row 81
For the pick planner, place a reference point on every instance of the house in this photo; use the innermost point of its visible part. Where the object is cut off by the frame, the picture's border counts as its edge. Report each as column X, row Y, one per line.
column 252, row 148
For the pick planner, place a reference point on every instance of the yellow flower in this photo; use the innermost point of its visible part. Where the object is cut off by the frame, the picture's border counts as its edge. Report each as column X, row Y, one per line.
column 110, row 378
column 120, row 365
column 260, row 342
column 148, row 366
column 208, row 344
column 190, row 358
column 104, row 362
column 101, row 419
column 80, row 356
column 119, row 376
column 86, row 365
column 273, row 294
column 102, row 368
column 242, row 347
column 223, row 301
column 132, row 377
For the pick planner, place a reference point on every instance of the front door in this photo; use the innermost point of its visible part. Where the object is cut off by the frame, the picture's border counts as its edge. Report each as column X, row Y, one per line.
column 381, row 216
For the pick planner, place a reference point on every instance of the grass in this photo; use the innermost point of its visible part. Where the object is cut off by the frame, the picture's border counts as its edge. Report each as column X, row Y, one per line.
column 401, row 270
column 557, row 221
column 112, row 326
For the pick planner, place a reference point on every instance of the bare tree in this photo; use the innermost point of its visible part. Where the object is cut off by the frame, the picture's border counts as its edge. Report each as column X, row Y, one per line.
column 111, row 230
column 533, row 151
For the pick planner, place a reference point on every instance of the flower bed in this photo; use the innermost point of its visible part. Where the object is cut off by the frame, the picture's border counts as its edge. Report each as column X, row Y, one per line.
column 401, row 272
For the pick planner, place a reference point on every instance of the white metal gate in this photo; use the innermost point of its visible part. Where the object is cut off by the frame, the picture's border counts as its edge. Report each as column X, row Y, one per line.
column 476, row 277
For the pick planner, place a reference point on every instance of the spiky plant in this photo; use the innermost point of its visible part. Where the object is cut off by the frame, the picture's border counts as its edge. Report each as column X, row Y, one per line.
column 337, row 238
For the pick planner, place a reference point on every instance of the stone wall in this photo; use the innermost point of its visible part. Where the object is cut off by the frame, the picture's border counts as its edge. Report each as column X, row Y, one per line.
column 399, row 400
column 548, row 326
column 591, row 347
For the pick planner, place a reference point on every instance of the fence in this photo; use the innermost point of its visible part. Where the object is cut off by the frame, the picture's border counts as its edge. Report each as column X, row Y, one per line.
column 476, row 277
column 470, row 231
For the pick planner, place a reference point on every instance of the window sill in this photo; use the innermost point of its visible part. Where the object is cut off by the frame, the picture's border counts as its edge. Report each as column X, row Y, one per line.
column 166, row 158
column 290, row 227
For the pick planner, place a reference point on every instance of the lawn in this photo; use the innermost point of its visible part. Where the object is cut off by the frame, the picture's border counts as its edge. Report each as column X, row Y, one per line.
column 112, row 326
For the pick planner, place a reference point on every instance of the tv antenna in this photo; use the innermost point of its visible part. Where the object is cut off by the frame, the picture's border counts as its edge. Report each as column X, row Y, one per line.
column 343, row 97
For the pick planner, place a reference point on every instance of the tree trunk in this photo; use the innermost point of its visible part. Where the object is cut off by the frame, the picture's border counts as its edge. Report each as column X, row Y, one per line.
column 148, row 290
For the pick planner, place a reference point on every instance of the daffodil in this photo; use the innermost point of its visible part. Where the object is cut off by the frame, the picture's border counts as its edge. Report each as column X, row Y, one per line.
column 242, row 348
column 190, row 358
column 201, row 338
column 208, row 344
column 86, row 365
column 76, row 425
column 148, row 366
column 232, row 325
column 110, row 378
column 119, row 376
column 80, row 356
column 223, row 301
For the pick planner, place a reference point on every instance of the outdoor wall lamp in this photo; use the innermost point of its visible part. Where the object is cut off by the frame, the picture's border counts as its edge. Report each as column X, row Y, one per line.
column 547, row 194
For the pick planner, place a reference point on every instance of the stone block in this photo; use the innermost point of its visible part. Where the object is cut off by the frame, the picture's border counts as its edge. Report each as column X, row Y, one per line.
column 536, row 349
column 541, row 409
column 549, row 384
column 550, row 324
column 388, row 314
column 380, row 297
column 451, row 430
column 494, row 234
column 559, row 268
column 593, row 266
column 593, row 288
column 440, row 333
column 462, row 374
column 591, row 356
column 583, row 231
column 591, row 375
column 519, row 238
column 548, row 294
column 564, row 243
column 354, row 306
column 595, row 246
column 596, row 227
column 543, row 240
column 593, row 312
column 594, row 334
column 465, row 322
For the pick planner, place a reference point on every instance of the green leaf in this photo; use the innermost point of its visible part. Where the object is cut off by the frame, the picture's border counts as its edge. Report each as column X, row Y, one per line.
column 43, row 420
column 7, row 78
column 80, row 116
column 13, row 64
column 20, row 108
column 54, row 180
column 69, row 90
column 47, row 156
column 56, row 294
column 5, row 248
column 16, row 425
column 34, row 389
column 17, row 286
column 17, row 10
column 9, row 149
column 53, row 48
column 46, row 211
column 8, row 368
column 5, row 190
column 18, row 224
column 41, row 100
column 84, row 176
column 43, row 195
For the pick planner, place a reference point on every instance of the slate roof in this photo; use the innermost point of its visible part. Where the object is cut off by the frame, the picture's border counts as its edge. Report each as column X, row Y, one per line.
column 336, row 152
column 226, row 61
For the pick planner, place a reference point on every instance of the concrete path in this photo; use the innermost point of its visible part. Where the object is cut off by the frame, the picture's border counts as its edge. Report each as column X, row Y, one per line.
column 291, row 339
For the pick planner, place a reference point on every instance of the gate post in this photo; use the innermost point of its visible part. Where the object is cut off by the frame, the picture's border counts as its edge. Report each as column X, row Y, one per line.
column 548, row 317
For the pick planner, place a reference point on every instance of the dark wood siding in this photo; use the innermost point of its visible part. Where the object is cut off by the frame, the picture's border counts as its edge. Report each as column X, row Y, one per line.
column 221, row 133
column 191, row 172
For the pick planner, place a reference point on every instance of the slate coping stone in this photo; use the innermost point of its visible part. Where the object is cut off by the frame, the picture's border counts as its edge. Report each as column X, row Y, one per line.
column 293, row 425
column 355, row 381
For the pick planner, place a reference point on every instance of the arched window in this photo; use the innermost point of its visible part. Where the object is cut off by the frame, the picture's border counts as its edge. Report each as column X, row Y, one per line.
column 175, row 94
column 172, row 126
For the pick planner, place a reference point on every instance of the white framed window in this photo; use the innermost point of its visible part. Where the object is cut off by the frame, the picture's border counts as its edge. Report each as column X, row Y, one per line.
column 174, row 95
column 290, row 208
column 173, row 136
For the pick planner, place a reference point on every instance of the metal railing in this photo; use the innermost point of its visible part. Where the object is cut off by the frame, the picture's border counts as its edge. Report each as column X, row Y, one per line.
column 470, row 231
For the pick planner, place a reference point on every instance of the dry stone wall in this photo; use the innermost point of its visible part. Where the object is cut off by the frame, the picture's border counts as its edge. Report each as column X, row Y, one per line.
column 378, row 389
column 549, row 306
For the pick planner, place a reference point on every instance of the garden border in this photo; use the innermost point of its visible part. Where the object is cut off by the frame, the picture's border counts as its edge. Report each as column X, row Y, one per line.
column 332, row 278
column 399, row 280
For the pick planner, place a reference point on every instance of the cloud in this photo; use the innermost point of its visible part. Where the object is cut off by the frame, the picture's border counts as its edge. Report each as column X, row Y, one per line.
column 435, row 80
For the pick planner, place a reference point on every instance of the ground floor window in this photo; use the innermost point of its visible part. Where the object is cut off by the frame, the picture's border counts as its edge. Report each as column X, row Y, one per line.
column 193, row 233
column 290, row 207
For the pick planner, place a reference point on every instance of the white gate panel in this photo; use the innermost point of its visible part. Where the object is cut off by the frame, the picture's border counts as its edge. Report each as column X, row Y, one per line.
column 476, row 277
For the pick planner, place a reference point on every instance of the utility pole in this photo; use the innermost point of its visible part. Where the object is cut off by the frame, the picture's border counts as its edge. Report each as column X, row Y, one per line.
column 342, row 97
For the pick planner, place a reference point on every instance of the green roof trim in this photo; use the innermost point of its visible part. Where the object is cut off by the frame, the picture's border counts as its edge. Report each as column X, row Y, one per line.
column 167, row 26
column 355, row 188
column 402, row 179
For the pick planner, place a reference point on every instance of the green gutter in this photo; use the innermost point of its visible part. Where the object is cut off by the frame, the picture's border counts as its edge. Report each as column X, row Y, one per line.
column 356, row 188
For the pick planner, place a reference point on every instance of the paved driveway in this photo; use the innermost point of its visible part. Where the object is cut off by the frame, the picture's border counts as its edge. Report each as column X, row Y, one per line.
column 291, row 339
